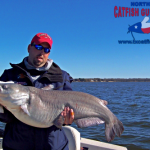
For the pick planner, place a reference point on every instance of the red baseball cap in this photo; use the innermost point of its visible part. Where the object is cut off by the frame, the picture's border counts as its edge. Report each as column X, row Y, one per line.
column 42, row 37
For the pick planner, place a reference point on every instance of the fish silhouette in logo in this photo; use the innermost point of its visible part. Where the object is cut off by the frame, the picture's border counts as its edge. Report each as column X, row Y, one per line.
column 140, row 27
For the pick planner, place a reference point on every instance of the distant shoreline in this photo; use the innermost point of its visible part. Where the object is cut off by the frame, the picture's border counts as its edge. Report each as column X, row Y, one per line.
column 111, row 80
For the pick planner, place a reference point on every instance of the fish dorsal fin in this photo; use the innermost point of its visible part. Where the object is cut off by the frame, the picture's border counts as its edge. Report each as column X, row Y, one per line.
column 146, row 18
column 59, row 121
column 86, row 122
column 144, row 23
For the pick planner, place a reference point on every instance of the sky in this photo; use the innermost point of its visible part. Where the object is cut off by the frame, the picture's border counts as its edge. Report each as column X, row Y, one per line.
column 85, row 36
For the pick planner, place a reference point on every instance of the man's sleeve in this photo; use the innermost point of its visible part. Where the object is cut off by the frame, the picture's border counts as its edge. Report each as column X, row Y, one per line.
column 67, row 83
column 6, row 116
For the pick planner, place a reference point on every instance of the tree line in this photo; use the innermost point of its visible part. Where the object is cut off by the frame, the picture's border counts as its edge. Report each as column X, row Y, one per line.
column 112, row 80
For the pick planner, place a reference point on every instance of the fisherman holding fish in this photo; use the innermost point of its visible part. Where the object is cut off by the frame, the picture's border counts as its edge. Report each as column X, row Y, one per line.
column 41, row 72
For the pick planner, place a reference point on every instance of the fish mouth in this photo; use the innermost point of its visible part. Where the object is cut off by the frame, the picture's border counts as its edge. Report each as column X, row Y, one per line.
column 3, row 95
column 1, row 89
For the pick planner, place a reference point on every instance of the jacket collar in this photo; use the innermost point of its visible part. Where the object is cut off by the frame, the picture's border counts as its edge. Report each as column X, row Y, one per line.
column 54, row 73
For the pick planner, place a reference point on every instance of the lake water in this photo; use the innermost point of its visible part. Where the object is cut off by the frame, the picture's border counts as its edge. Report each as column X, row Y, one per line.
column 130, row 102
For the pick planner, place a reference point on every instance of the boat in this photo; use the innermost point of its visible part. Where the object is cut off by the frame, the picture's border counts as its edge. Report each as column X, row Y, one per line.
column 78, row 143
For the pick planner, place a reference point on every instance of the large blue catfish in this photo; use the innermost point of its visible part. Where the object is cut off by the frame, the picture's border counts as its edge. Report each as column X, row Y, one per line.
column 42, row 108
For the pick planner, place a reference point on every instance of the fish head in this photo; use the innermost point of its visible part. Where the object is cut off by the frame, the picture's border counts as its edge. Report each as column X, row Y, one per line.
column 135, row 28
column 13, row 95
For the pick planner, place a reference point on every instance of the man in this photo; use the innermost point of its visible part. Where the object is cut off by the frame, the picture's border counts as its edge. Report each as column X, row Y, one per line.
column 39, row 71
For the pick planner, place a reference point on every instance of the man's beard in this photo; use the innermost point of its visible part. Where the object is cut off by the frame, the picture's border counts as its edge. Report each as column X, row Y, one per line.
column 37, row 63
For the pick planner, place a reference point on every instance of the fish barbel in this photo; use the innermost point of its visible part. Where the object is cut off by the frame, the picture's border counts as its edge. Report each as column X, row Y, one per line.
column 42, row 108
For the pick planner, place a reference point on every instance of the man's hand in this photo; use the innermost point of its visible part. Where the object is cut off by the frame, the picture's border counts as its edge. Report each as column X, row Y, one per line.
column 68, row 115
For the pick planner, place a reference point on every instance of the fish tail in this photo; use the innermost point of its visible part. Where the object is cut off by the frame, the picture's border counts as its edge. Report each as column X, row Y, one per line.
column 113, row 128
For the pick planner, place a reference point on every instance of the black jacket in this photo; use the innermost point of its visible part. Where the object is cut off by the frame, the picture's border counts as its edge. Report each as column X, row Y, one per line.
column 19, row 136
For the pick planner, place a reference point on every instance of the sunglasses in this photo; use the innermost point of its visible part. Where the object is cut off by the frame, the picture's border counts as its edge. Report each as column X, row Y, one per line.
column 40, row 47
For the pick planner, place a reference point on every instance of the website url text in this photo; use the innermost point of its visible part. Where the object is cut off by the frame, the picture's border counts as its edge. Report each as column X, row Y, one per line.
column 134, row 41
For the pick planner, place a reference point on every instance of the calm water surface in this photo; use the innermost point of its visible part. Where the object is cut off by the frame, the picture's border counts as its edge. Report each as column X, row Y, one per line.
column 130, row 102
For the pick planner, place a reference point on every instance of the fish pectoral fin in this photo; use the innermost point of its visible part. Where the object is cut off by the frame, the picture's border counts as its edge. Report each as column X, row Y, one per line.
column 25, row 109
column 59, row 121
column 86, row 122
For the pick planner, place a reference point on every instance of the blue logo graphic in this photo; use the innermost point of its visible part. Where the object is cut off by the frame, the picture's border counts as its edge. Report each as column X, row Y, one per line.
column 140, row 27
